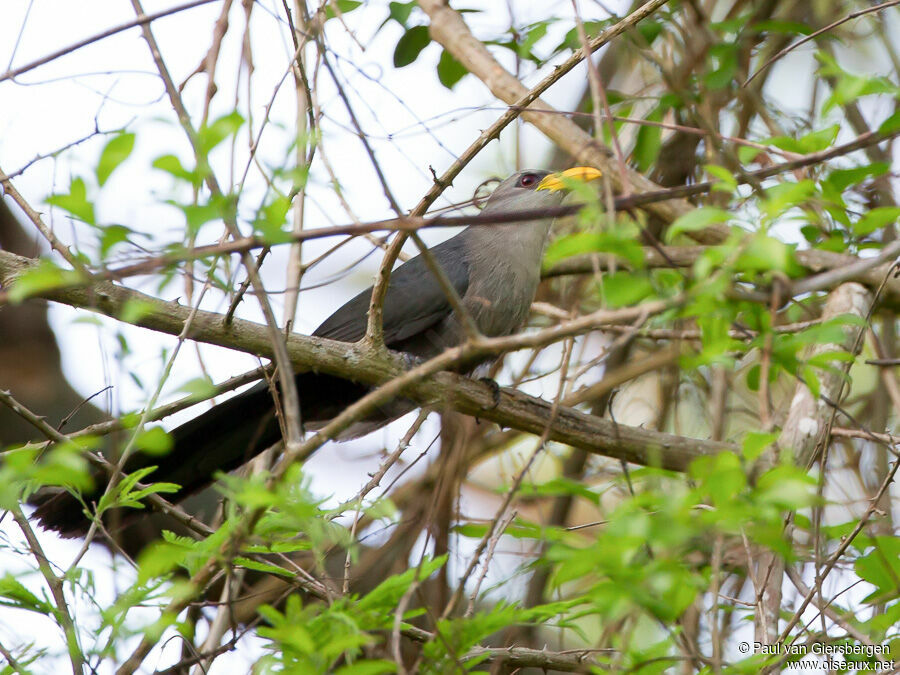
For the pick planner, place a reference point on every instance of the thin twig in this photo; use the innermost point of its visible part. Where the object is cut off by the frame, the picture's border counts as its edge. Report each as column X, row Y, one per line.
column 812, row 36
column 141, row 20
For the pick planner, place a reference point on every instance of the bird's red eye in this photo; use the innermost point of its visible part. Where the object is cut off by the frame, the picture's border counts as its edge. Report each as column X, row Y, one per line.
column 528, row 180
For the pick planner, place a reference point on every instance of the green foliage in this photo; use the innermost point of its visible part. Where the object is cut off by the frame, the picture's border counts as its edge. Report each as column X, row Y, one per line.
column 211, row 135
column 272, row 218
column 649, row 140
column 723, row 66
column 413, row 42
column 410, row 45
column 400, row 12
column 572, row 40
column 449, row 70
column 313, row 638
column 14, row 594
column 125, row 493
column 697, row 219
column 44, row 276
column 173, row 166
column 621, row 289
column 522, row 41
column 812, row 142
column 62, row 465
column 200, row 388
column 881, row 568
column 116, row 151
column 618, row 242
column 153, row 441
column 849, row 87
column 343, row 6
column 75, row 202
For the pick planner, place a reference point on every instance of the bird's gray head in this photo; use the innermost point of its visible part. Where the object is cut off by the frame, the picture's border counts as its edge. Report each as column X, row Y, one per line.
column 536, row 188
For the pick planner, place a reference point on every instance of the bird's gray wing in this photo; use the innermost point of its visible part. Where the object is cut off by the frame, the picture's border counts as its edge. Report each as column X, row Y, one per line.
column 414, row 302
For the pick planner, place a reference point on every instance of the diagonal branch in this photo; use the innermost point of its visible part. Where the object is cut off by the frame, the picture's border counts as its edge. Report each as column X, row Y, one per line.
column 511, row 409
column 448, row 28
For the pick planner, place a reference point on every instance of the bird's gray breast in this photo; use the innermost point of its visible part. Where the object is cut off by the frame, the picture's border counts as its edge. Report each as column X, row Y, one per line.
column 505, row 263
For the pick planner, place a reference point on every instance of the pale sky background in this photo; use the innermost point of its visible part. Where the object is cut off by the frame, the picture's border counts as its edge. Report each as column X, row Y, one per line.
column 114, row 83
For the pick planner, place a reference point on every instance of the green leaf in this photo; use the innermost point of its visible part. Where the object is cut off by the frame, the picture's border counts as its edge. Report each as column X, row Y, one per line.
column 44, row 276
column 389, row 592
column 813, row 142
column 271, row 219
column 158, row 559
column 134, row 497
column 367, row 668
column 197, row 215
column 527, row 39
column 755, row 443
column 15, row 594
column 119, row 495
column 747, row 153
column 110, row 235
column 875, row 219
column 787, row 487
column 881, row 568
column 623, row 289
column 200, row 388
column 410, row 45
column 779, row 26
column 262, row 567
column 400, row 11
column 721, row 476
column 725, row 63
column 579, row 243
column 648, row 141
column 573, row 41
column 764, row 253
column 840, row 179
column 787, row 195
column 449, row 70
column 697, row 219
column 811, row 379
column 218, row 207
column 173, row 166
column 753, row 377
column 891, row 124
column 75, row 201
column 344, row 7
column 727, row 181
column 116, row 151
column 154, row 441
column 565, row 487
column 849, row 88
column 209, row 136
column 648, row 29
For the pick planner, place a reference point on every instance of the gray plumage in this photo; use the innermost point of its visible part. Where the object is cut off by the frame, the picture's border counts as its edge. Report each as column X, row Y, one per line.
column 495, row 269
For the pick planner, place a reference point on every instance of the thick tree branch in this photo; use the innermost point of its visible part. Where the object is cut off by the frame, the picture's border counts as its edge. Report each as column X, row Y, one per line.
column 515, row 409
column 807, row 427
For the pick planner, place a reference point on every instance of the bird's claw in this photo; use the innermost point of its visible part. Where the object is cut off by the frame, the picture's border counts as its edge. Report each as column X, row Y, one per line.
column 495, row 390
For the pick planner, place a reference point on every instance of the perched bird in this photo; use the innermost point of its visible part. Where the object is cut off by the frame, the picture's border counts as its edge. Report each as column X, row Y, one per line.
column 495, row 270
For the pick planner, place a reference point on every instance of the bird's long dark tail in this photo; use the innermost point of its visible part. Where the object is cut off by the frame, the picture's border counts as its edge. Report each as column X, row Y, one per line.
column 219, row 440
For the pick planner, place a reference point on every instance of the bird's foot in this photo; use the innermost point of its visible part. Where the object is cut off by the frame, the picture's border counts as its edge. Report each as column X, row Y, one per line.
column 495, row 390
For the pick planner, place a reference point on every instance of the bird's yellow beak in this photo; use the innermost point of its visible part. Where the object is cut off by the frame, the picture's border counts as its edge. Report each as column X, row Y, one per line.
column 561, row 181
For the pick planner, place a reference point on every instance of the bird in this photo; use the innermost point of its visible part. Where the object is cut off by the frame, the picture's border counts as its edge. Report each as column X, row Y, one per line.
column 494, row 269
